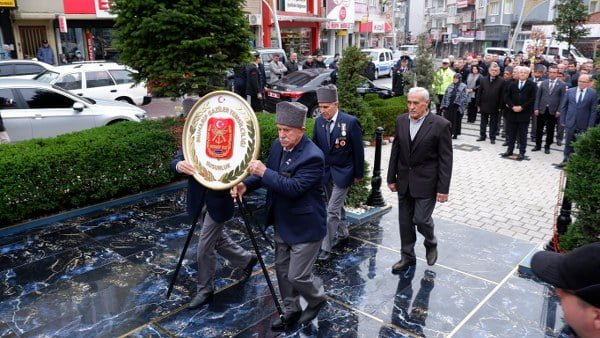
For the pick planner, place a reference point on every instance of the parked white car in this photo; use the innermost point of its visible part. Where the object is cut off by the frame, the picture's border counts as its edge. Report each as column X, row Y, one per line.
column 22, row 69
column 101, row 80
column 33, row 109
column 383, row 60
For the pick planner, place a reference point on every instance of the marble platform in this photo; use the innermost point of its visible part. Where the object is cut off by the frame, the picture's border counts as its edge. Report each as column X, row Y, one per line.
column 105, row 273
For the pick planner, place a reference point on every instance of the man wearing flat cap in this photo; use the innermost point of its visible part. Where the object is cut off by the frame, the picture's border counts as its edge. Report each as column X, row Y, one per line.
column 576, row 279
column 339, row 136
column 293, row 177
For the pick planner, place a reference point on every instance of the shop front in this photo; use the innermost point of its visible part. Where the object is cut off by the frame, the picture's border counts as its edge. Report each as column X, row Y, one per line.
column 86, row 40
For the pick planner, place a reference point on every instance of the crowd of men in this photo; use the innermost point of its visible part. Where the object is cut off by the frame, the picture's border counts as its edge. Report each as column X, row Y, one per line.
column 520, row 97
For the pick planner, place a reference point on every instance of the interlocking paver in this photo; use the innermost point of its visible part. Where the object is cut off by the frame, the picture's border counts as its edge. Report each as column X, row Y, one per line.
column 513, row 198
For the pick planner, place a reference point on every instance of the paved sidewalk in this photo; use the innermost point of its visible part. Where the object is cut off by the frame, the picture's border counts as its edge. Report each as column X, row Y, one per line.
column 516, row 199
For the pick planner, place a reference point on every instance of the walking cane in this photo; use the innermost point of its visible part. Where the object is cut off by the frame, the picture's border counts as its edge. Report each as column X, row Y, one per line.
column 259, row 256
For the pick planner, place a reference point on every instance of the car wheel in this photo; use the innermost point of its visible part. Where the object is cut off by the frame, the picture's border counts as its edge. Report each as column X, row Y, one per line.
column 314, row 112
column 124, row 99
column 376, row 74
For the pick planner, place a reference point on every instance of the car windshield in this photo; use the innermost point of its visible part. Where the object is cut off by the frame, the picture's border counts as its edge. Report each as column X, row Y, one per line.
column 298, row 79
column 47, row 76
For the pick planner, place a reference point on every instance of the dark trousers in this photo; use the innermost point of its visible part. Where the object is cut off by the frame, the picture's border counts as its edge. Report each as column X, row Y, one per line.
column 438, row 109
column 517, row 131
column 560, row 131
column 453, row 115
column 545, row 120
column 534, row 121
column 415, row 212
column 570, row 136
column 256, row 103
column 492, row 118
column 472, row 110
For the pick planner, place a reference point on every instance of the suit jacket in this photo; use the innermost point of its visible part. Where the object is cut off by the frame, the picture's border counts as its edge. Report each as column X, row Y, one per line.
column 551, row 99
column 424, row 169
column 218, row 202
column 524, row 98
column 295, row 199
column 489, row 94
column 344, row 153
column 582, row 115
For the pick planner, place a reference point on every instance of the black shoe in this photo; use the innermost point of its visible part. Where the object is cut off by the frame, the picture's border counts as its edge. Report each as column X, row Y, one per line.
column 493, row 141
column 289, row 319
column 311, row 312
column 324, row 256
column 559, row 143
column 520, row 157
column 547, row 150
column 480, row 139
column 507, row 154
column 536, row 148
column 250, row 266
column 431, row 255
column 504, row 144
column 401, row 265
column 200, row 299
column 341, row 242
column 454, row 137
column 562, row 164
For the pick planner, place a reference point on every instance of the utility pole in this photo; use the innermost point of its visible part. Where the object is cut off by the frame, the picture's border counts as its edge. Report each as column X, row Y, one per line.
column 394, row 32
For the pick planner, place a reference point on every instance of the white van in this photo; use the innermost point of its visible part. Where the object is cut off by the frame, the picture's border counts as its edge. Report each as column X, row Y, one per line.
column 554, row 47
column 383, row 60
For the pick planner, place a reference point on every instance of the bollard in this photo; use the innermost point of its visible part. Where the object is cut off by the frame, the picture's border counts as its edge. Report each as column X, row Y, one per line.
column 562, row 221
column 375, row 199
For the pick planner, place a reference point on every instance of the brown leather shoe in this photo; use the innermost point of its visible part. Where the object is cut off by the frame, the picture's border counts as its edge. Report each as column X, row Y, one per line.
column 402, row 265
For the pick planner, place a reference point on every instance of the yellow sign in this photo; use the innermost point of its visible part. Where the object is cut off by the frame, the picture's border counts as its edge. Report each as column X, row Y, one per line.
column 7, row 3
column 341, row 33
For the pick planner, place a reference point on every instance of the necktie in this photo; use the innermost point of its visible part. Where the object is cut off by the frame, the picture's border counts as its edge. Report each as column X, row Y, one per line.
column 284, row 156
column 551, row 85
column 329, row 125
column 520, row 85
column 579, row 95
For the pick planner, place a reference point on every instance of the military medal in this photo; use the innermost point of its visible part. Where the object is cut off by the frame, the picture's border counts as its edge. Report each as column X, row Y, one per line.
column 337, row 142
column 343, row 129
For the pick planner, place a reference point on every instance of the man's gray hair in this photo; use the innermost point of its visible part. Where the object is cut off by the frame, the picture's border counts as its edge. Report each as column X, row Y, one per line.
column 420, row 91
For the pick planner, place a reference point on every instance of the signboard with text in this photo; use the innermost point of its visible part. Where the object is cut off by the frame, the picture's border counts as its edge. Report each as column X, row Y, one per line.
column 341, row 13
column 7, row 3
column 296, row 6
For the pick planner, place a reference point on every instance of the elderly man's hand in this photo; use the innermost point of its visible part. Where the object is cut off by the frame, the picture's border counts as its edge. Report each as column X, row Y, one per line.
column 257, row 168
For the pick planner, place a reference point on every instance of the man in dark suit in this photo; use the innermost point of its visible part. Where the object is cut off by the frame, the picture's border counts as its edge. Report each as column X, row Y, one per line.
column 216, row 208
column 255, row 82
column 489, row 102
column 339, row 136
column 400, row 76
column 419, row 170
column 578, row 112
column 293, row 177
column 546, row 108
column 519, row 99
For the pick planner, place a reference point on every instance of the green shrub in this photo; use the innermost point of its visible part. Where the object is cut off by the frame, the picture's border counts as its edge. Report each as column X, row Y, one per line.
column 583, row 189
column 268, row 132
column 386, row 111
column 41, row 176
column 358, row 193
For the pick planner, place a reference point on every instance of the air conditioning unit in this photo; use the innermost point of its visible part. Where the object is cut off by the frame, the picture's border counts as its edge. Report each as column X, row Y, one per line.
column 254, row 19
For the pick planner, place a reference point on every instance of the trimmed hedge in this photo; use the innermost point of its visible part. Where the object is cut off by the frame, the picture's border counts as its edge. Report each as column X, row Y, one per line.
column 583, row 189
column 44, row 176
column 41, row 176
column 386, row 111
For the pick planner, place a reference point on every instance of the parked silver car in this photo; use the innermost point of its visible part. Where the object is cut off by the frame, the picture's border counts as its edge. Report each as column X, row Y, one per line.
column 33, row 109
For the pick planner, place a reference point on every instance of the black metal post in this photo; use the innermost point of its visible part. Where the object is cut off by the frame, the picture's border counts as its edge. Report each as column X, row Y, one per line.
column 375, row 199
column 563, row 221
